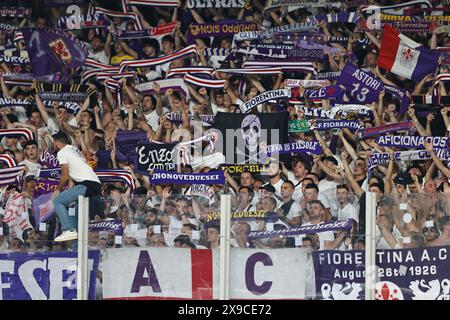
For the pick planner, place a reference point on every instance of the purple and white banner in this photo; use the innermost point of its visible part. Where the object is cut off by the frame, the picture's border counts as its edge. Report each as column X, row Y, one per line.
column 212, row 177
column 286, row 66
column 225, row 28
column 15, row 12
column 12, row 175
column 6, row 102
column 160, row 60
column 399, row 94
column 412, row 141
column 361, row 86
column 364, row 133
column 330, row 114
column 300, row 146
column 175, row 84
column 310, row 229
column 48, row 160
column 264, row 97
column 152, row 3
column 346, row 17
column 329, row 75
column 292, row 83
column 403, row 274
column 205, row 118
column 107, row 225
column 16, row 60
column 83, row 22
column 281, row 51
column 157, row 31
column 202, row 190
column 324, row 125
column 346, row 109
column 45, row 276
column 198, row 4
column 380, row 158
column 14, row 133
column 330, row 92
column 205, row 83
column 7, row 27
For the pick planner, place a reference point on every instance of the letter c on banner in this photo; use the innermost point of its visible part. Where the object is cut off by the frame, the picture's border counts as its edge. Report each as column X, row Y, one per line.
column 250, row 273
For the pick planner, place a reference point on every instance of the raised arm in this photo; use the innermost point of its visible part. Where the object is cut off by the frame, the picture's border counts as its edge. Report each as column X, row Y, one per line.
column 322, row 143
column 357, row 190
column 436, row 160
column 348, row 146
column 419, row 127
column 41, row 107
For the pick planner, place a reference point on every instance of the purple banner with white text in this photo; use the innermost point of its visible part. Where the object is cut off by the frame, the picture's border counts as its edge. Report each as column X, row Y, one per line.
column 404, row 274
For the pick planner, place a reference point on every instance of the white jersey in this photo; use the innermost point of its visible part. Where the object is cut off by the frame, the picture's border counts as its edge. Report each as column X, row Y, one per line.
column 79, row 170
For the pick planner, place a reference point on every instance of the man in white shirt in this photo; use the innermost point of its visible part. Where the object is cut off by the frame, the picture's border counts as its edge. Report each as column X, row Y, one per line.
column 31, row 158
column 346, row 211
column 290, row 211
column 73, row 166
column 274, row 174
column 101, row 51
column 326, row 238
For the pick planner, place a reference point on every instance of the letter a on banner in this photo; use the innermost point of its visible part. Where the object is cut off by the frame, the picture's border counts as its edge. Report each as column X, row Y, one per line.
column 140, row 279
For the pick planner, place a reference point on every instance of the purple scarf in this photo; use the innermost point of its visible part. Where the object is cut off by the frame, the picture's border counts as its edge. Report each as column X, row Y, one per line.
column 325, row 125
column 412, row 141
column 220, row 29
column 108, row 225
column 300, row 146
column 400, row 94
column 330, row 92
column 311, row 229
column 212, row 177
column 364, row 133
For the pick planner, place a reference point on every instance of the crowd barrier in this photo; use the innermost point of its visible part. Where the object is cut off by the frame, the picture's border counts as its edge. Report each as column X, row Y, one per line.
column 138, row 253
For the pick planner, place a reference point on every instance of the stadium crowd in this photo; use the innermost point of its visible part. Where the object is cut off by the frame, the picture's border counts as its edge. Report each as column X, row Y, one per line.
column 308, row 188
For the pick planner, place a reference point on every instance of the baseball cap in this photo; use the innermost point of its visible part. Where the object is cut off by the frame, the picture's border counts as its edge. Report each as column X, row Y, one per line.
column 403, row 178
column 268, row 187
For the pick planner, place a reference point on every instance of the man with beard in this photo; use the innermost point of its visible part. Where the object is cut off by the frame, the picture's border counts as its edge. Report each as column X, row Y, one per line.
column 73, row 166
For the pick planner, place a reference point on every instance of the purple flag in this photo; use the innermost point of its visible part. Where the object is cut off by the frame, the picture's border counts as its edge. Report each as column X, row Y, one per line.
column 53, row 51
column 361, row 86
column 126, row 144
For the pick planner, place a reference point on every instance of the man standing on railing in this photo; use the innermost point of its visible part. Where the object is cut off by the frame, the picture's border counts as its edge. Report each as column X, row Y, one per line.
column 73, row 166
